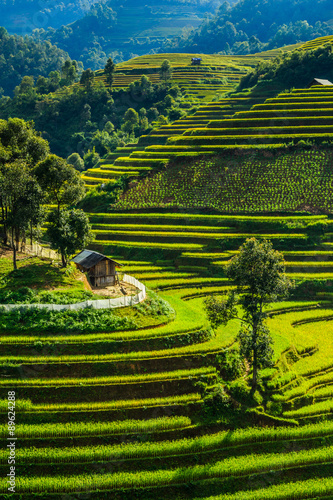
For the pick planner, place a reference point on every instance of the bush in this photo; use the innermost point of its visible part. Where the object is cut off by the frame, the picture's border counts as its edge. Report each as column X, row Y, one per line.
column 217, row 401
column 155, row 306
column 240, row 390
column 43, row 320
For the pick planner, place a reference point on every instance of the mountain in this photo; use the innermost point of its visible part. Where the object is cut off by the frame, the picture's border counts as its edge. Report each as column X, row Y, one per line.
column 253, row 25
column 22, row 57
column 24, row 16
column 127, row 30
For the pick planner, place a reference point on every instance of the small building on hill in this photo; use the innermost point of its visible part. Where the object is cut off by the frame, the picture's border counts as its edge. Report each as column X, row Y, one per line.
column 101, row 270
column 196, row 60
column 318, row 81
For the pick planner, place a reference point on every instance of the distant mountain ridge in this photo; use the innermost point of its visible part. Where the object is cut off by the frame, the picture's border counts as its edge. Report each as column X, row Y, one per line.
column 23, row 16
column 251, row 26
column 126, row 30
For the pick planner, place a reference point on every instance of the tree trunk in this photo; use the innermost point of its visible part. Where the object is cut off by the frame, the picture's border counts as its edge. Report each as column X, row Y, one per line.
column 254, row 372
column 63, row 260
column 255, row 360
column 14, row 251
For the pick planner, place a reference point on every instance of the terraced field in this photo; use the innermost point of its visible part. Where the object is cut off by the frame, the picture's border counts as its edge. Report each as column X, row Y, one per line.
column 120, row 414
column 244, row 120
column 155, row 150
column 151, row 152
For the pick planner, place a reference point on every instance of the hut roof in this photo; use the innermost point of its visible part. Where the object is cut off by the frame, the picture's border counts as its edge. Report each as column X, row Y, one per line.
column 89, row 258
column 320, row 81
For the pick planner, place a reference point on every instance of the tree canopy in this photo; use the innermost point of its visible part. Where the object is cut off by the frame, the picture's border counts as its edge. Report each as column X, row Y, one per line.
column 60, row 181
column 68, row 231
column 258, row 272
column 251, row 26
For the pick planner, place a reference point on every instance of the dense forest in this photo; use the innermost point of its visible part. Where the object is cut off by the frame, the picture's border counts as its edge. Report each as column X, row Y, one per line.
column 127, row 30
column 293, row 69
column 21, row 56
column 254, row 25
column 91, row 117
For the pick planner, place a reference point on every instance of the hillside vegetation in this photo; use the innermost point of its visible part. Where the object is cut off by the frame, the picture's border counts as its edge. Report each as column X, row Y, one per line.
column 251, row 26
column 253, row 118
column 127, row 30
column 23, row 16
column 241, row 182
column 163, row 409
column 20, row 57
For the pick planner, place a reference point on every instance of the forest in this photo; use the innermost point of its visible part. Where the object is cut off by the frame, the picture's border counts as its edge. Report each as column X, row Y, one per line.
column 21, row 56
column 251, row 26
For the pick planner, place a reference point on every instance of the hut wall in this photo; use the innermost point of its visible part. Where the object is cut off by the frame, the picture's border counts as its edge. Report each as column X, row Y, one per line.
column 103, row 273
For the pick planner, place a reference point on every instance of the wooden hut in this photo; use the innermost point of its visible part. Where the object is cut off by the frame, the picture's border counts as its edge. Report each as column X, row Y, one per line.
column 318, row 81
column 196, row 60
column 100, row 269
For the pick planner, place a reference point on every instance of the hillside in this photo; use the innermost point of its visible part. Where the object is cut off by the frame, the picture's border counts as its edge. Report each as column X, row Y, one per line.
column 150, row 402
column 22, row 56
column 124, row 31
column 247, row 119
column 76, row 119
column 21, row 17
column 252, row 26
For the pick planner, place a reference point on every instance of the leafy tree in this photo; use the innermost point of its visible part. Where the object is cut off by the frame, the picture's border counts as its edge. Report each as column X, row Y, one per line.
column 91, row 159
column 20, row 141
column 87, row 79
column 69, row 72
column 60, row 181
column 131, row 119
column 108, row 71
column 68, row 231
column 166, row 70
column 258, row 272
column 76, row 160
column 21, row 200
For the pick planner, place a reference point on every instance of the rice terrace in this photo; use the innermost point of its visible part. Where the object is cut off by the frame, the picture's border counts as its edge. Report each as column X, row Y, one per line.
column 166, row 259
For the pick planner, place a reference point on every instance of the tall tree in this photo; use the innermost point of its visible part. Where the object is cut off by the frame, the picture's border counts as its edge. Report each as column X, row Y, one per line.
column 61, row 182
column 21, row 202
column 87, row 79
column 69, row 72
column 68, row 231
column 109, row 71
column 166, row 70
column 258, row 272
column 20, row 148
column 20, row 141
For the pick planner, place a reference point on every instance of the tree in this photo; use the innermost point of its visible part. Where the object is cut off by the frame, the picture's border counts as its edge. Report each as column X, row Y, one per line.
column 20, row 141
column 87, row 79
column 20, row 148
column 69, row 72
column 68, row 231
column 21, row 202
column 131, row 119
column 61, row 182
column 76, row 161
column 166, row 70
column 108, row 71
column 258, row 272
column 91, row 159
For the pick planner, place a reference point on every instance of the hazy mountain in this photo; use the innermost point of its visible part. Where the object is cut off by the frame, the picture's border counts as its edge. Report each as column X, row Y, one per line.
column 254, row 25
column 134, row 27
